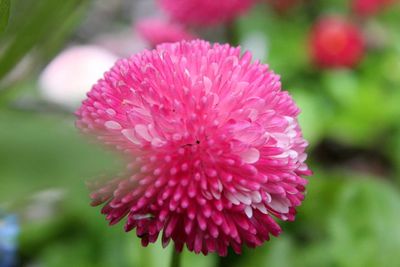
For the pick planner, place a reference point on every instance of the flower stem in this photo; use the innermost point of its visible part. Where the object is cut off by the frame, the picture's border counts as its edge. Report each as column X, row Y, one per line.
column 231, row 33
column 176, row 258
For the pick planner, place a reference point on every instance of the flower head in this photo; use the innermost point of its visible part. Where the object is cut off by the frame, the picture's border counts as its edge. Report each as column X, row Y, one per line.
column 217, row 154
column 205, row 12
column 336, row 43
column 157, row 31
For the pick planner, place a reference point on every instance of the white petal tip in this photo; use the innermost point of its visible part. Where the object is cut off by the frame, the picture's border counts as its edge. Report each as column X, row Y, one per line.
column 250, row 156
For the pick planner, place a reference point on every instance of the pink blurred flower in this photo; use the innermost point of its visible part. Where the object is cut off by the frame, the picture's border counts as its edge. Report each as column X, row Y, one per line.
column 336, row 42
column 205, row 12
column 70, row 75
column 157, row 31
column 217, row 154
column 369, row 7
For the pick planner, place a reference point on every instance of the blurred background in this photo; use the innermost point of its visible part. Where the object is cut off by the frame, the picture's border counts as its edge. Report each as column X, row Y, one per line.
column 340, row 59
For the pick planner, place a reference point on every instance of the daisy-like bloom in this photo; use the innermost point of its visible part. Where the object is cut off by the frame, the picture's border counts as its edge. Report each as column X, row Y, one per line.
column 336, row 43
column 205, row 12
column 217, row 154
column 157, row 31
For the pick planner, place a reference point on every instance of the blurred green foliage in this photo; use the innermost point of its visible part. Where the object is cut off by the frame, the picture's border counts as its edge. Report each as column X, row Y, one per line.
column 351, row 213
column 43, row 25
column 4, row 14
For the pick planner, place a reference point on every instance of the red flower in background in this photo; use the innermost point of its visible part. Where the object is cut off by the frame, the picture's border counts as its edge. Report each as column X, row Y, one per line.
column 336, row 42
column 369, row 7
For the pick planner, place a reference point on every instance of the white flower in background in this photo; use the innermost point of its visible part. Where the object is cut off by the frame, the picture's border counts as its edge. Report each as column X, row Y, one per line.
column 71, row 74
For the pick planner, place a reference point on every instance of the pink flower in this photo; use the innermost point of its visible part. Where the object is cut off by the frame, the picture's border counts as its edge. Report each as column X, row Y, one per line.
column 205, row 12
column 157, row 31
column 336, row 43
column 216, row 151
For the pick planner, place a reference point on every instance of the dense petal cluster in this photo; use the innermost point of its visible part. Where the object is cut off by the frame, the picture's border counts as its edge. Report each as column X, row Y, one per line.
column 157, row 31
column 205, row 12
column 336, row 42
column 217, row 154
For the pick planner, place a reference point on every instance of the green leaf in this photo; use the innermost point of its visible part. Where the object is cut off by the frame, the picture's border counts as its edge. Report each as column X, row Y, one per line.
column 364, row 226
column 60, row 37
column 38, row 26
column 4, row 14
column 357, row 218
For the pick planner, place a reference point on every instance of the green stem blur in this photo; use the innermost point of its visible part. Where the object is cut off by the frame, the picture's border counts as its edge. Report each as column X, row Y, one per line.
column 232, row 36
column 176, row 259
